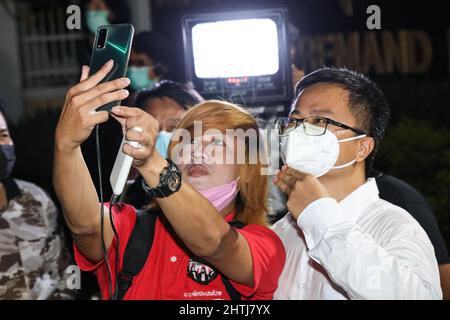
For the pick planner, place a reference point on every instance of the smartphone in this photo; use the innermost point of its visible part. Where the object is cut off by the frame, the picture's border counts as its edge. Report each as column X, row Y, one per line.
column 112, row 42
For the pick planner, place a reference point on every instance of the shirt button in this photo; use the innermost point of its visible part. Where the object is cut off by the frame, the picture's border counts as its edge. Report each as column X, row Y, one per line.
column 173, row 259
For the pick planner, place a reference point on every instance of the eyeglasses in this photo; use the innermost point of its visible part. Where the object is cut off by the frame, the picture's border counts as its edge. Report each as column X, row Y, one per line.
column 312, row 126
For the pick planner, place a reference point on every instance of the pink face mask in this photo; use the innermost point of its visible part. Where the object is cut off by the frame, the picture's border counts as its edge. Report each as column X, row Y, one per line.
column 221, row 196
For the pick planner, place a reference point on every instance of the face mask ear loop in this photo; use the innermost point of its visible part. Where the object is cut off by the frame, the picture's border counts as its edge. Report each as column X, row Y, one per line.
column 348, row 164
column 353, row 138
column 345, row 165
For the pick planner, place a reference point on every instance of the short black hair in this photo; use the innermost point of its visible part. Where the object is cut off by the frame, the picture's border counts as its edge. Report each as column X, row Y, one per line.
column 182, row 93
column 366, row 101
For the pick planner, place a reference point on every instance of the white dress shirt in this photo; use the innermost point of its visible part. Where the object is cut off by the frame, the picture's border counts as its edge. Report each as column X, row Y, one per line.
column 360, row 248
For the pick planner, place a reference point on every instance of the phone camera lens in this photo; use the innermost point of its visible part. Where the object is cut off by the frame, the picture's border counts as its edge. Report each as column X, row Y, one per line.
column 101, row 38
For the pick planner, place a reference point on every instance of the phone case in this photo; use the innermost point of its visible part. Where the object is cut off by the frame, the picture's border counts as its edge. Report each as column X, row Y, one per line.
column 117, row 46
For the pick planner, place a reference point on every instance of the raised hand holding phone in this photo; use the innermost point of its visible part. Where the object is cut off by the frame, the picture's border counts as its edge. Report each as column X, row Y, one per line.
column 79, row 117
column 112, row 42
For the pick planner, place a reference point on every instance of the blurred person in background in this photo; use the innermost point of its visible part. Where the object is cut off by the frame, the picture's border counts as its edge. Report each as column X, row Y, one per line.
column 150, row 60
column 168, row 101
column 297, row 71
column 99, row 13
column 33, row 256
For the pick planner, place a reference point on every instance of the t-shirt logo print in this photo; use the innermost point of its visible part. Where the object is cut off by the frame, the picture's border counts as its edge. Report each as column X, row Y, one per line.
column 200, row 272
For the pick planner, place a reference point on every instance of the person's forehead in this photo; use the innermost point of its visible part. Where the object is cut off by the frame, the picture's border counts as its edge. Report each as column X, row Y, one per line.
column 324, row 99
column 97, row 4
column 141, row 56
column 164, row 104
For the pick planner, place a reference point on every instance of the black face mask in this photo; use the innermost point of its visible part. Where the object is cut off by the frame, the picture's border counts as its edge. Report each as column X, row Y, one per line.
column 7, row 160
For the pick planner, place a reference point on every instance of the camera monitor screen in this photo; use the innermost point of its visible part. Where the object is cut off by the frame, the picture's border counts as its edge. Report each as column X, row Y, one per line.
column 236, row 48
column 238, row 56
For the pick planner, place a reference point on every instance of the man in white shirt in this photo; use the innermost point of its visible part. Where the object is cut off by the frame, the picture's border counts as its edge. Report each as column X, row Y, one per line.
column 342, row 241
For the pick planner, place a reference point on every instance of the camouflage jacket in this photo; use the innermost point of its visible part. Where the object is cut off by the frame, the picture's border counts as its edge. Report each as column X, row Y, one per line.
column 31, row 245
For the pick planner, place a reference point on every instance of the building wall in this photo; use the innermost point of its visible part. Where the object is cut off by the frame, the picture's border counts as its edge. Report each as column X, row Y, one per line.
column 10, row 79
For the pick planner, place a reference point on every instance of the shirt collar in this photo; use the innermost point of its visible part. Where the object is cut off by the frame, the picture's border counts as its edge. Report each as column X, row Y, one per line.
column 356, row 202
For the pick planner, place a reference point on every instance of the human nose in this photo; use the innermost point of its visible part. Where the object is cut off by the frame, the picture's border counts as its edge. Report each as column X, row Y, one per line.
column 197, row 152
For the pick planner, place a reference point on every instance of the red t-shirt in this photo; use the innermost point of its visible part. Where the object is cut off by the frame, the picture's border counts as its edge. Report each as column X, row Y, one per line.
column 165, row 273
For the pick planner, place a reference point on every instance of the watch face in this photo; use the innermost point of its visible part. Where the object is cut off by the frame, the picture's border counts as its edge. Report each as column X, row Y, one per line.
column 173, row 181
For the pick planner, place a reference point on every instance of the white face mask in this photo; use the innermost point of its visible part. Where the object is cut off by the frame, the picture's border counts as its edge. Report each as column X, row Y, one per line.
column 315, row 155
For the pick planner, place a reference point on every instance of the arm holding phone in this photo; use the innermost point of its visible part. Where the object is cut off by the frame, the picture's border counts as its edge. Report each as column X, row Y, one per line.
column 78, row 119
column 87, row 105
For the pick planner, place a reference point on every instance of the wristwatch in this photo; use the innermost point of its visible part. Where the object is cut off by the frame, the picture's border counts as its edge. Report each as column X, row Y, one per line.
column 169, row 182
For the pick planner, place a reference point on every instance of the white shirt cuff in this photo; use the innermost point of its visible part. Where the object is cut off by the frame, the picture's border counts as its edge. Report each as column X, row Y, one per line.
column 317, row 218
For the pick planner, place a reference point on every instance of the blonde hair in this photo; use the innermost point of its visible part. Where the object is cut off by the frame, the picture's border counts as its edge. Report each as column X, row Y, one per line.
column 251, row 201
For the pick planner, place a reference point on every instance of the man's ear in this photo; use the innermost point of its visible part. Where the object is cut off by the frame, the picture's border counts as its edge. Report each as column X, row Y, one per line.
column 366, row 147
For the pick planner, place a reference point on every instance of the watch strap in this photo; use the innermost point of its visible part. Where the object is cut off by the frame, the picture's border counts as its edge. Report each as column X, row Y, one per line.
column 162, row 190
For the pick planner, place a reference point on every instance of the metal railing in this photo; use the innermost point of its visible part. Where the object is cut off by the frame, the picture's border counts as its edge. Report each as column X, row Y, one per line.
column 48, row 53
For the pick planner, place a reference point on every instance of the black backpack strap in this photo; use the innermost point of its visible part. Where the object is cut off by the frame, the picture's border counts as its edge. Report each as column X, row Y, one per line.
column 137, row 250
column 236, row 224
column 232, row 292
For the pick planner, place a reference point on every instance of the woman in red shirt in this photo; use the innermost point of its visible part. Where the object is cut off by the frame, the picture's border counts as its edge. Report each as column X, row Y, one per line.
column 215, row 177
